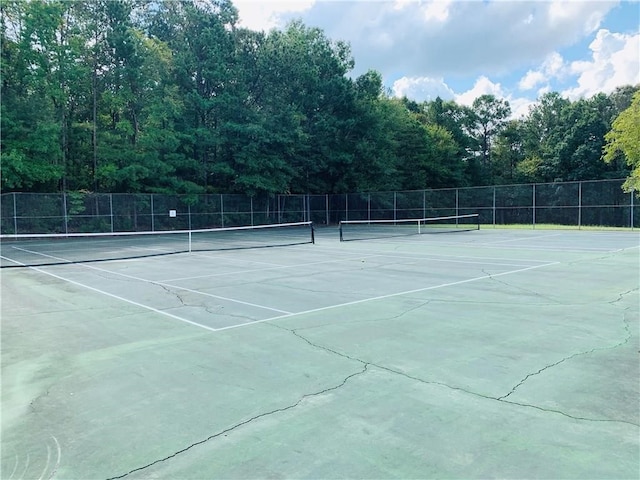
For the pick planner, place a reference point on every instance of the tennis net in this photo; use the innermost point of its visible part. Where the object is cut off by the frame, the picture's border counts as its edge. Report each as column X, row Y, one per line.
column 372, row 229
column 53, row 249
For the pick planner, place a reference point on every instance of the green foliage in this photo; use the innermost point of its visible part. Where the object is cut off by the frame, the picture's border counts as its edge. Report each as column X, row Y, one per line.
column 624, row 137
column 20, row 173
column 175, row 97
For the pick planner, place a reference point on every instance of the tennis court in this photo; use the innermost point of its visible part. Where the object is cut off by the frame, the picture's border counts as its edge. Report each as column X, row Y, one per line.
column 480, row 354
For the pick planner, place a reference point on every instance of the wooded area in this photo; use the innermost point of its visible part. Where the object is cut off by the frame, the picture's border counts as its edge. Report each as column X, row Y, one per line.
column 174, row 97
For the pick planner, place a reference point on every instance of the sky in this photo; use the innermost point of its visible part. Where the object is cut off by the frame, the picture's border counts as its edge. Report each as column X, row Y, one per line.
column 458, row 50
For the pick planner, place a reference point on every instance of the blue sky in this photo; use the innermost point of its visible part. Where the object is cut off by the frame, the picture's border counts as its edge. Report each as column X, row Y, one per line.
column 514, row 49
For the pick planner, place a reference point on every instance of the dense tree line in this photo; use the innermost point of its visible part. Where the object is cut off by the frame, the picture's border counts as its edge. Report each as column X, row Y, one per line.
column 141, row 96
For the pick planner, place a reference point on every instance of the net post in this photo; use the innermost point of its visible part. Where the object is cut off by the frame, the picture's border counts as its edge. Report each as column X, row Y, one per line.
column 189, row 241
column 313, row 234
column 340, row 228
column 419, row 225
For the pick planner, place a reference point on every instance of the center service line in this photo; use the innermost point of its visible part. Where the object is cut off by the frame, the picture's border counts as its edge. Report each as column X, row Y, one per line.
column 391, row 295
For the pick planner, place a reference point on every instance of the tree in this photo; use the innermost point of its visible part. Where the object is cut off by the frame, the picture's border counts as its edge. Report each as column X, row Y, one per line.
column 487, row 118
column 32, row 100
column 542, row 138
column 508, row 152
column 624, row 137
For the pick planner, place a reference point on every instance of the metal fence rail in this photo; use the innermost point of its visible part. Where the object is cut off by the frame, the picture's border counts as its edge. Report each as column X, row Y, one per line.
column 588, row 203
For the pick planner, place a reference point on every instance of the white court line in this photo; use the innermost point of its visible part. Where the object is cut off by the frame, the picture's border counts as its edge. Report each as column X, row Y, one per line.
column 278, row 267
column 286, row 314
column 184, row 289
column 433, row 256
column 465, row 262
column 391, row 295
column 536, row 248
column 521, row 239
column 12, row 260
column 126, row 300
column 146, row 281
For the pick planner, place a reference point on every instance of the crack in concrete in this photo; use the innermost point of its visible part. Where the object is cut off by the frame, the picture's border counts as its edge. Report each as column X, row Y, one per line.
column 366, row 365
column 245, row 422
column 470, row 392
column 622, row 295
column 586, row 352
column 167, row 289
column 209, row 309
column 532, row 292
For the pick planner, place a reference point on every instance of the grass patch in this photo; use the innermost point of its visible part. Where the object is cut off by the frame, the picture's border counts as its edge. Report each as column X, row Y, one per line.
column 551, row 226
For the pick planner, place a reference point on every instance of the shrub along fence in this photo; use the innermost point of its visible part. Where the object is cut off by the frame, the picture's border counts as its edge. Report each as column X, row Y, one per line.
column 587, row 203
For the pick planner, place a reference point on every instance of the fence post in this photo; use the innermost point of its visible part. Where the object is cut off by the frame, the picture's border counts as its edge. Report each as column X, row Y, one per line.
column 368, row 207
column 279, row 213
column 632, row 193
column 534, row 205
column 494, row 207
column 579, row 205
column 326, row 207
column 111, row 209
column 153, row 225
column 395, row 206
column 457, row 207
column 346, row 206
column 15, row 214
column 64, row 206
column 424, row 204
column 222, row 210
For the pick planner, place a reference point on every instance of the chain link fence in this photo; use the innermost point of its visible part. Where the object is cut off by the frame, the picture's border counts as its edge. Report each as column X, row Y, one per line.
column 589, row 203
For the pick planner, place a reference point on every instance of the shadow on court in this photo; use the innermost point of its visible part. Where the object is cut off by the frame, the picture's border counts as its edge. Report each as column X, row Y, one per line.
column 491, row 353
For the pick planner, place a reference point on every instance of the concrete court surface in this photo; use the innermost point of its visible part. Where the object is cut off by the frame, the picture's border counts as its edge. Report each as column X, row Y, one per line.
column 488, row 354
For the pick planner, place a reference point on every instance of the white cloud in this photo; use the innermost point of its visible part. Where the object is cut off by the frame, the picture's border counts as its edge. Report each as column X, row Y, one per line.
column 422, row 89
column 553, row 67
column 483, row 86
column 267, row 14
column 520, row 107
column 561, row 12
column 433, row 48
column 615, row 61
column 438, row 38
column 437, row 10
column 531, row 80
